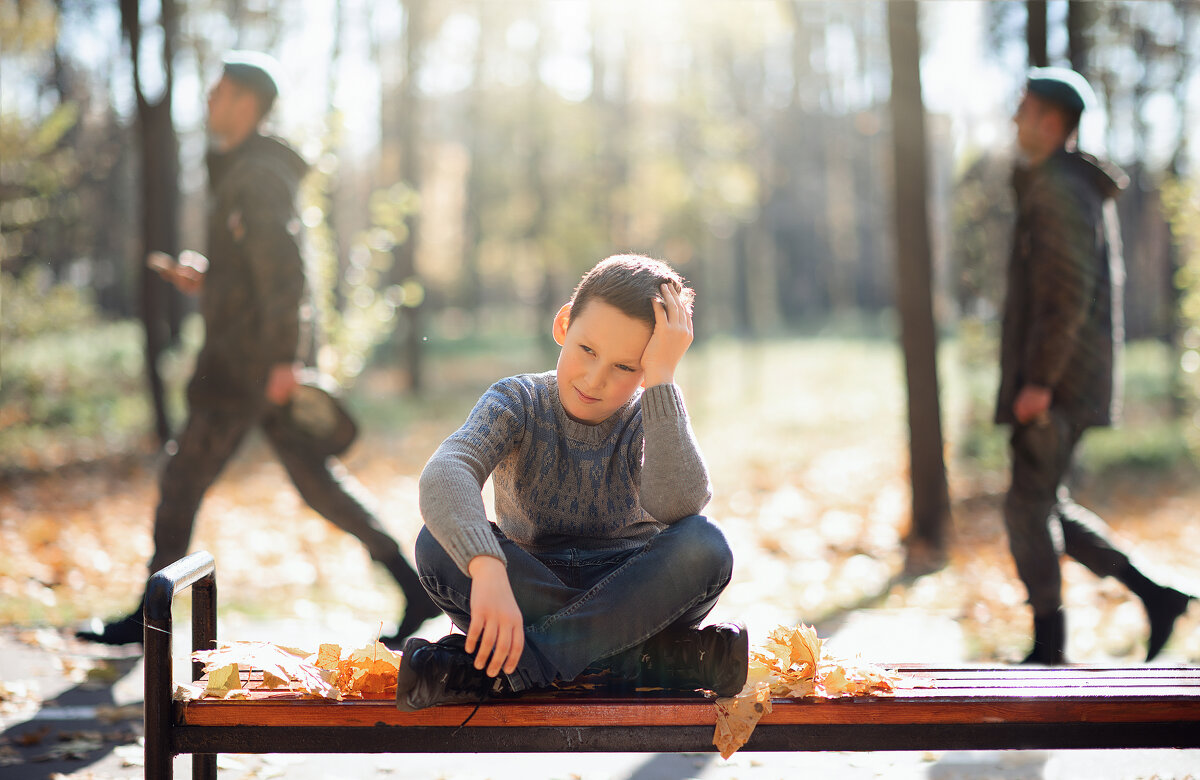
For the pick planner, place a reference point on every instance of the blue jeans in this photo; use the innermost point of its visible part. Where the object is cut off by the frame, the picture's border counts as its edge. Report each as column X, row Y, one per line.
column 585, row 606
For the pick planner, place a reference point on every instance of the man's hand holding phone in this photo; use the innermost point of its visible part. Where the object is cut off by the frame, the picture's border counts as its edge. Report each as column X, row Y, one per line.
column 186, row 273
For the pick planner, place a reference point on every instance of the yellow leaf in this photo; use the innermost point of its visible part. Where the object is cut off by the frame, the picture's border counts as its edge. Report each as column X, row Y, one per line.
column 270, row 681
column 277, row 664
column 737, row 716
column 223, row 679
column 792, row 663
column 328, row 656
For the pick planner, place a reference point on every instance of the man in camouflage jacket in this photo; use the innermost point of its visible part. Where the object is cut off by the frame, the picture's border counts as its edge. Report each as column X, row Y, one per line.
column 253, row 301
column 1059, row 357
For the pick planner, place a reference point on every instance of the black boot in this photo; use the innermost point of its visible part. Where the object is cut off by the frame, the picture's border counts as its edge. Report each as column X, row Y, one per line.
column 443, row 672
column 1163, row 606
column 715, row 658
column 126, row 631
column 1049, row 640
column 1163, row 609
column 417, row 610
column 418, row 607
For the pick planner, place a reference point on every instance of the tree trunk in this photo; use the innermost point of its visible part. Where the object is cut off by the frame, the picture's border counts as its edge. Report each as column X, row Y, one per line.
column 927, row 540
column 408, row 124
column 1035, row 33
column 1079, row 22
column 160, row 199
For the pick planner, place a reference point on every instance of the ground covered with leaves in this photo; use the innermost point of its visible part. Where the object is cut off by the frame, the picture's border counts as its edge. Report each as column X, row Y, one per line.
column 808, row 450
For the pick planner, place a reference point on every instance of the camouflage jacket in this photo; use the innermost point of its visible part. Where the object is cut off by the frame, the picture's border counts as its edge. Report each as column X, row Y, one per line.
column 254, row 292
column 1063, row 324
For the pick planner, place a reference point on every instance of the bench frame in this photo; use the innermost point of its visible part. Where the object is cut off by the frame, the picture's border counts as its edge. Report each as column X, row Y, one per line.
column 1015, row 708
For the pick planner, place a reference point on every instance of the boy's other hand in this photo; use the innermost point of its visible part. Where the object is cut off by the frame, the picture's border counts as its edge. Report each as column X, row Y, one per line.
column 671, row 339
column 497, row 632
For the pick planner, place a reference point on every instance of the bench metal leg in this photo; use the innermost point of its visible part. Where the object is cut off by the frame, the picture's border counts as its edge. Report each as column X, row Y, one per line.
column 196, row 569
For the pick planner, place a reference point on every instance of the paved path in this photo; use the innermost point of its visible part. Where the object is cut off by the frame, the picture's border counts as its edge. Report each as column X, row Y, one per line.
column 73, row 711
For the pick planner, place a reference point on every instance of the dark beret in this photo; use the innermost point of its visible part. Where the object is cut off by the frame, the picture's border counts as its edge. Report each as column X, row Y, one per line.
column 255, row 71
column 1062, row 86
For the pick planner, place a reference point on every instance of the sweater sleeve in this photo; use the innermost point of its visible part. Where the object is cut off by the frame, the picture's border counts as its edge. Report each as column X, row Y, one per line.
column 450, row 490
column 674, row 482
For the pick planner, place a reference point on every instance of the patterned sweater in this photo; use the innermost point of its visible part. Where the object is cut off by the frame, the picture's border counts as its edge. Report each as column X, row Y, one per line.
column 558, row 482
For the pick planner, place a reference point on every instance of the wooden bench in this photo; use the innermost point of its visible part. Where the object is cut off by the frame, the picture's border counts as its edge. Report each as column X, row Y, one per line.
column 973, row 707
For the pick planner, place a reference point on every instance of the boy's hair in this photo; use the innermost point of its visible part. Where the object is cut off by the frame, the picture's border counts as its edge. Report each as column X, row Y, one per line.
column 630, row 283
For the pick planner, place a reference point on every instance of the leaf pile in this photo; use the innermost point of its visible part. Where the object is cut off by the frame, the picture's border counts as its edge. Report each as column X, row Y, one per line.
column 793, row 664
column 370, row 670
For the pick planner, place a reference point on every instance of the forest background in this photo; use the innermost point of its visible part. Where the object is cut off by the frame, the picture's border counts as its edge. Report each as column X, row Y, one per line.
column 471, row 159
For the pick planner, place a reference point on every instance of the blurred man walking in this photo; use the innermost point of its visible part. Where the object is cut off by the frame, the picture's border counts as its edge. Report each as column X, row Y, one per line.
column 1059, row 357
column 253, row 300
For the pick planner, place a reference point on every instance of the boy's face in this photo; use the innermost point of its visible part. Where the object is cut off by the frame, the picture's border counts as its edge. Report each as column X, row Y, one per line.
column 600, row 365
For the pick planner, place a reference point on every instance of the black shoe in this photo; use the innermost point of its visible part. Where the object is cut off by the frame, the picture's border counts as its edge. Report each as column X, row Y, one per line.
column 416, row 612
column 442, row 672
column 1049, row 640
column 126, row 631
column 1163, row 609
column 715, row 658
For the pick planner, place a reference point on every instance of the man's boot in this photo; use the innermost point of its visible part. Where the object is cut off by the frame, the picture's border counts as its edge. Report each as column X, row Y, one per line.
column 1049, row 640
column 123, row 631
column 1163, row 606
column 418, row 607
column 715, row 658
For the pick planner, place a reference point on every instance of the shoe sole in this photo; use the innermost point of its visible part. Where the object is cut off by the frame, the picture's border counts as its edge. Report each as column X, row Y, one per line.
column 743, row 656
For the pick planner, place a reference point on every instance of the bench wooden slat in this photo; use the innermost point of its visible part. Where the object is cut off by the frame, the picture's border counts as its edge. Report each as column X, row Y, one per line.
column 1038, row 696
column 842, row 711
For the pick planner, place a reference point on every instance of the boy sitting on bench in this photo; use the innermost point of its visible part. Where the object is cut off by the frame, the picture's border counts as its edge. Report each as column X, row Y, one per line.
column 598, row 558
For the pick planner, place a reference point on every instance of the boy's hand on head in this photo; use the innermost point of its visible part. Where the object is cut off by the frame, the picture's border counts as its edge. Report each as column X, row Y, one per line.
column 497, row 632
column 671, row 339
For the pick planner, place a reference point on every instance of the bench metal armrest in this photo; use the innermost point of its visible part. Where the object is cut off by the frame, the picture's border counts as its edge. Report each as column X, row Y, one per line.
column 197, row 571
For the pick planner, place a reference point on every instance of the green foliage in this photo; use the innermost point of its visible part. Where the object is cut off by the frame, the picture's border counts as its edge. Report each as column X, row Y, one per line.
column 72, row 393
column 37, row 178
column 29, row 26
column 32, row 305
column 1182, row 202
column 355, row 315
column 74, row 385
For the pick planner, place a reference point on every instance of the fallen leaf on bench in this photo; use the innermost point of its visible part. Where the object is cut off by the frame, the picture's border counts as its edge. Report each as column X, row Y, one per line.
column 792, row 663
column 223, row 680
column 737, row 716
column 282, row 667
column 370, row 670
column 328, row 656
column 187, row 692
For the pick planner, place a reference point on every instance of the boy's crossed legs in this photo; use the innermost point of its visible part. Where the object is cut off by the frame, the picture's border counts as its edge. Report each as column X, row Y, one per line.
column 633, row 610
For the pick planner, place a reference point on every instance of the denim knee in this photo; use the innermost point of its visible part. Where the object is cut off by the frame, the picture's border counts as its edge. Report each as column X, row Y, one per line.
column 702, row 547
column 431, row 558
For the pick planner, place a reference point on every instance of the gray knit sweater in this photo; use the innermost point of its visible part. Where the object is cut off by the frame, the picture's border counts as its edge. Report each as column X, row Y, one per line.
column 559, row 483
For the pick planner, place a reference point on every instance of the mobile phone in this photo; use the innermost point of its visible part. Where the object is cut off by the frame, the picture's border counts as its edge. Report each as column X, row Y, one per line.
column 160, row 261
